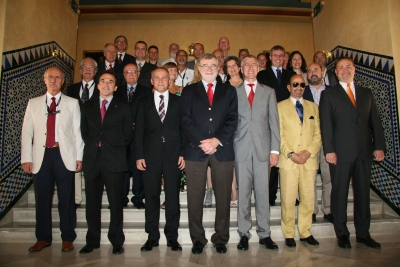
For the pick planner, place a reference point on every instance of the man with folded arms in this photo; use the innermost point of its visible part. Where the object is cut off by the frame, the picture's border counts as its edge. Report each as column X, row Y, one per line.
column 298, row 161
column 51, row 150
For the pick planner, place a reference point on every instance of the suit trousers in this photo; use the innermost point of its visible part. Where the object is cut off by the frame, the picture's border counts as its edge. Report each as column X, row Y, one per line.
column 326, row 185
column 78, row 188
column 53, row 171
column 137, row 179
column 95, row 180
column 250, row 174
column 152, row 187
column 360, row 171
column 292, row 182
column 273, row 183
column 221, row 177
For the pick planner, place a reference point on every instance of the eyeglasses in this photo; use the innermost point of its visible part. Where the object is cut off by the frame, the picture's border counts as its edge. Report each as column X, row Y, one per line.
column 205, row 66
column 302, row 85
column 87, row 67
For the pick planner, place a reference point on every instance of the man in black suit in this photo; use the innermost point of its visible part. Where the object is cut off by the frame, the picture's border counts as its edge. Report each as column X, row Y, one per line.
column 209, row 119
column 158, row 146
column 109, row 64
column 130, row 92
column 123, row 58
column 107, row 132
column 328, row 77
column 144, row 67
column 277, row 78
column 353, row 137
column 83, row 91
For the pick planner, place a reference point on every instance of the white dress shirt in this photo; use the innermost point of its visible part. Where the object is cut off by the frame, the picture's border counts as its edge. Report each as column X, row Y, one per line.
column 108, row 65
column 91, row 87
column 317, row 93
column 274, row 69
column 108, row 99
column 353, row 89
column 122, row 55
column 157, row 100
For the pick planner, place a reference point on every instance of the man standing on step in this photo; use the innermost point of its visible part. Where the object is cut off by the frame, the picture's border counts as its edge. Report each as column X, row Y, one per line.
column 209, row 120
column 51, row 150
column 353, row 137
column 107, row 131
column 256, row 151
column 158, row 146
column 298, row 161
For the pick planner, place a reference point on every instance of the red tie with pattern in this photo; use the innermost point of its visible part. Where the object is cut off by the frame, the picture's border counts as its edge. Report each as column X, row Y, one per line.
column 120, row 59
column 251, row 94
column 51, row 124
column 103, row 113
column 110, row 68
column 210, row 93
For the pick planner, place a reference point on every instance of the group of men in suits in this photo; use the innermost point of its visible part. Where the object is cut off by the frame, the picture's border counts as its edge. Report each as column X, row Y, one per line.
column 264, row 122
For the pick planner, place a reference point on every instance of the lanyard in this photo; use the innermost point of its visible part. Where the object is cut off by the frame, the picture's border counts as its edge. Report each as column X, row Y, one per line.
column 183, row 78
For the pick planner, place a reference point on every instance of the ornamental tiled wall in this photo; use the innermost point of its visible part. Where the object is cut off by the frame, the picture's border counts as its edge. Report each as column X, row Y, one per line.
column 377, row 73
column 22, row 79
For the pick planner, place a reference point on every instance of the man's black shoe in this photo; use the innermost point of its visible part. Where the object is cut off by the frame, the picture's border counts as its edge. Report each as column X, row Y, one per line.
column 290, row 242
column 328, row 217
column 243, row 243
column 269, row 244
column 149, row 245
column 220, row 248
column 139, row 205
column 314, row 217
column 369, row 242
column 174, row 245
column 197, row 248
column 310, row 240
column 117, row 249
column 344, row 242
column 88, row 249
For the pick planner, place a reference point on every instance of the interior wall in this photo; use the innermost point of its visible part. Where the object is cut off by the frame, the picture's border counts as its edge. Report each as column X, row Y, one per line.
column 394, row 20
column 253, row 35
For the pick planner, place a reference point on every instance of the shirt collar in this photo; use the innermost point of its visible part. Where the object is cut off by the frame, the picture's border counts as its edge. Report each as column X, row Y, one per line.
column 294, row 100
column 206, row 84
column 49, row 96
column 157, row 95
column 134, row 86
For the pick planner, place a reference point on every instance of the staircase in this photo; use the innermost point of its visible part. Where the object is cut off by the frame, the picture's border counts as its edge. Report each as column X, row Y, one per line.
column 19, row 225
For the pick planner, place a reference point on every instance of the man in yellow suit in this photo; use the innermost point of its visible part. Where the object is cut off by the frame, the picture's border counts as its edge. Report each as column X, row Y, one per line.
column 298, row 161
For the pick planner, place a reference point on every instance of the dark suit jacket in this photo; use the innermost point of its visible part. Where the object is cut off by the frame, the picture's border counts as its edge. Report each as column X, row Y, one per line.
column 145, row 74
column 101, row 68
column 307, row 95
column 74, row 89
column 127, row 59
column 268, row 78
column 115, row 134
column 149, row 130
column 348, row 131
column 140, row 91
column 333, row 81
column 200, row 121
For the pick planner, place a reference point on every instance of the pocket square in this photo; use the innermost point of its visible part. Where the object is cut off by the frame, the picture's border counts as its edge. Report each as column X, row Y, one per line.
column 312, row 117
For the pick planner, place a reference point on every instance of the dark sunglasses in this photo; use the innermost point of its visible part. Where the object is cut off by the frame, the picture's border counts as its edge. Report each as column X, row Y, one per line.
column 302, row 85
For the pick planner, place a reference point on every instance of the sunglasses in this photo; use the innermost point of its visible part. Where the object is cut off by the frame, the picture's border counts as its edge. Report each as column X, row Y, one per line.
column 302, row 85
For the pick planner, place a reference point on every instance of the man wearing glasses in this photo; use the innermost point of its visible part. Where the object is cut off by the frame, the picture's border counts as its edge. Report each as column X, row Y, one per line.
column 51, row 150
column 277, row 78
column 298, row 161
column 123, row 58
column 209, row 119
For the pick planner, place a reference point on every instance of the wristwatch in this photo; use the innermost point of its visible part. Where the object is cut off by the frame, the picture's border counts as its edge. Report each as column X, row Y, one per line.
column 289, row 155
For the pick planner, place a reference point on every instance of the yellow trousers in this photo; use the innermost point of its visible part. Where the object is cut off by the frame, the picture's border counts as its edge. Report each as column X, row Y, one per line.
column 292, row 182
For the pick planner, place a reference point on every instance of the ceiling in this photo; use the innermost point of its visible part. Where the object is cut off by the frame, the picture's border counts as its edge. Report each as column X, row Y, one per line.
column 249, row 10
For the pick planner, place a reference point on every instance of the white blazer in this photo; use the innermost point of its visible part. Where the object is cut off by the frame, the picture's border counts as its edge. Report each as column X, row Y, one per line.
column 33, row 137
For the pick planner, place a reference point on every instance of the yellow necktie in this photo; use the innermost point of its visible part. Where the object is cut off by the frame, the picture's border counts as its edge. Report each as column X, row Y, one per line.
column 350, row 94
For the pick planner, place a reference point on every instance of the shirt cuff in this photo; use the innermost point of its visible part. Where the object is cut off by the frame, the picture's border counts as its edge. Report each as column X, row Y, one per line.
column 274, row 152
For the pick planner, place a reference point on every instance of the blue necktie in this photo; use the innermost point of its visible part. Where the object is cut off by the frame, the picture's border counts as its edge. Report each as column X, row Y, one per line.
column 279, row 75
column 299, row 109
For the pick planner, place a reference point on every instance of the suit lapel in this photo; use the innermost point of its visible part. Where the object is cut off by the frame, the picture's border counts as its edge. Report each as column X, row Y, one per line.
column 153, row 109
column 343, row 95
column 202, row 91
column 258, row 94
column 242, row 96
column 273, row 78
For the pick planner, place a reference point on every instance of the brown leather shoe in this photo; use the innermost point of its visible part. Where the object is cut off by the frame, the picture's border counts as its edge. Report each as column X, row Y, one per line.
column 67, row 246
column 39, row 246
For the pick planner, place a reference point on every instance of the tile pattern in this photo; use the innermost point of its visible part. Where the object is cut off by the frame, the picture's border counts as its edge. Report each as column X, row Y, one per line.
column 377, row 72
column 22, row 79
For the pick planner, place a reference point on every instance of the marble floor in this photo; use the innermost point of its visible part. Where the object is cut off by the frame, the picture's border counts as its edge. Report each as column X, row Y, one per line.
column 326, row 254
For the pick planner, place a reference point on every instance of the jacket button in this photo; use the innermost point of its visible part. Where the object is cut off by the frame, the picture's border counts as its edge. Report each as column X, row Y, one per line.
column 209, row 108
column 210, row 119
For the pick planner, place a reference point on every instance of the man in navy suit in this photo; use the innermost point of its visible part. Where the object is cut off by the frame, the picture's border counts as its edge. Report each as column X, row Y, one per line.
column 277, row 78
column 110, row 64
column 209, row 120
column 123, row 58
column 83, row 91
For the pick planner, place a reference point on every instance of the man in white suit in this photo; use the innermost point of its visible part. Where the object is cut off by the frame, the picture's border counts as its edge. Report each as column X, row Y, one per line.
column 51, row 150
column 256, row 144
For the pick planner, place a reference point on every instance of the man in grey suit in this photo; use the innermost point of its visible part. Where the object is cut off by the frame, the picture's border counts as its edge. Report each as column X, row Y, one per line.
column 256, row 145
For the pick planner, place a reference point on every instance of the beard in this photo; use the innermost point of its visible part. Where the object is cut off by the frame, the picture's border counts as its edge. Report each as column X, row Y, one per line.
column 314, row 80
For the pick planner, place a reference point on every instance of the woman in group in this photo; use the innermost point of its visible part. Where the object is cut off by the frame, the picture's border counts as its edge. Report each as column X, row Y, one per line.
column 297, row 63
column 262, row 61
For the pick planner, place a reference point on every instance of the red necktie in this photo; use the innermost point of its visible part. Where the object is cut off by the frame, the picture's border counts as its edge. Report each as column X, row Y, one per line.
column 251, row 94
column 120, row 59
column 51, row 124
column 103, row 113
column 210, row 93
column 110, row 68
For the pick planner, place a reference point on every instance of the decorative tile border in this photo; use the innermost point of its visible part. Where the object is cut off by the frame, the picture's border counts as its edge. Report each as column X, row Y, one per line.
column 377, row 72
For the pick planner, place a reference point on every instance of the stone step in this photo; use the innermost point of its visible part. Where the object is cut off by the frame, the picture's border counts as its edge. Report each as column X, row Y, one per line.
column 24, row 232
column 26, row 213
